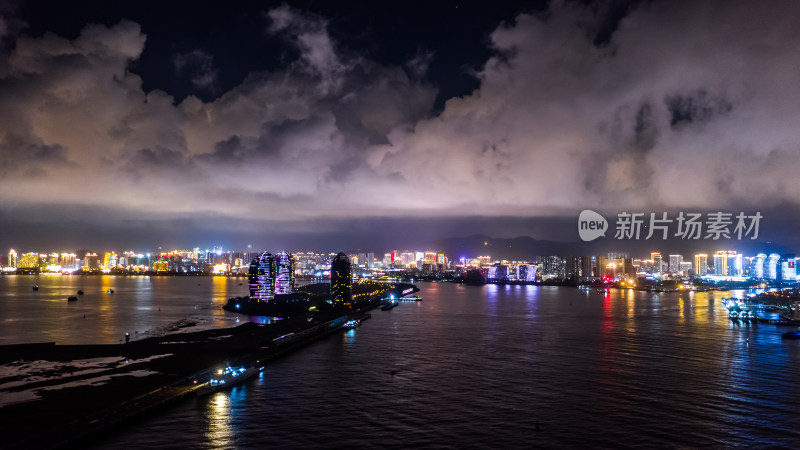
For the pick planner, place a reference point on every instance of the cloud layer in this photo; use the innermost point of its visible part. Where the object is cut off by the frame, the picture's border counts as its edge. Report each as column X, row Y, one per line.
column 688, row 105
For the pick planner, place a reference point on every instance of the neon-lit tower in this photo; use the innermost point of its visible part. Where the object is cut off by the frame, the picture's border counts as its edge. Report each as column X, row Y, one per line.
column 284, row 274
column 341, row 280
column 262, row 277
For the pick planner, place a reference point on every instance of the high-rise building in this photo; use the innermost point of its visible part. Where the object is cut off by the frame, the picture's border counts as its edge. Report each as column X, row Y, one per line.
column 67, row 260
column 700, row 264
column 658, row 263
column 12, row 259
column 675, row 263
column 572, row 267
column 587, row 267
column 109, row 260
column 788, row 269
column 757, row 266
column 721, row 263
column 284, row 273
column 341, row 280
column 91, row 261
column 771, row 266
column 735, row 264
column 262, row 277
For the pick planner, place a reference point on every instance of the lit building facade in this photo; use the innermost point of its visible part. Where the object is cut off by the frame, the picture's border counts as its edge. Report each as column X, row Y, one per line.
column 700, row 264
column 757, row 266
column 284, row 273
column 262, row 277
column 771, row 266
column 12, row 259
column 341, row 280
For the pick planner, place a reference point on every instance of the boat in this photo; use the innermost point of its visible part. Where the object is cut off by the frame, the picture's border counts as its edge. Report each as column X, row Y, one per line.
column 794, row 334
column 80, row 291
column 110, row 291
column 228, row 377
column 72, row 298
column 389, row 305
column 35, row 287
column 352, row 323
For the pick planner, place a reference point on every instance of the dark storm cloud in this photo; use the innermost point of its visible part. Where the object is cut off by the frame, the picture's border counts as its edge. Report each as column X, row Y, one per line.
column 666, row 105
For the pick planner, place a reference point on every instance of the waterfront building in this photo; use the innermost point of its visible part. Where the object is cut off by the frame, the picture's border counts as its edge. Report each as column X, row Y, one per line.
column 684, row 268
column 109, row 260
column 341, row 280
column 497, row 272
column 700, row 264
column 587, row 267
column 675, row 263
column 757, row 266
column 572, row 267
column 721, row 263
column 161, row 265
column 12, row 259
column 68, row 260
column 771, row 266
column 284, row 273
column 552, row 267
column 788, row 269
column 261, row 277
column 28, row 261
column 526, row 272
column 602, row 266
column 91, row 261
column 658, row 263
column 735, row 264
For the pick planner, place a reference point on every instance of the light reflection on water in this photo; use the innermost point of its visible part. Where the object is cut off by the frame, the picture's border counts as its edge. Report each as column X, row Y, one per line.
column 139, row 304
column 519, row 366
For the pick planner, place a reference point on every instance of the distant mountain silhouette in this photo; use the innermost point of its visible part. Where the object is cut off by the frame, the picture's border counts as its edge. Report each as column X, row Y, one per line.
column 524, row 248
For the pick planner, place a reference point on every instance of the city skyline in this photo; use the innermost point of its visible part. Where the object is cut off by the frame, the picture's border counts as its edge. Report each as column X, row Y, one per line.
column 281, row 122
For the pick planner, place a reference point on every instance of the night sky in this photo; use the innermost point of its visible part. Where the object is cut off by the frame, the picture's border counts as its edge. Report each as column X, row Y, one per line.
column 353, row 124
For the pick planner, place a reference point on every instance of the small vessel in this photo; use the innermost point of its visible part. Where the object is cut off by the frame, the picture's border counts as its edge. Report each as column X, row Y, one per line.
column 72, row 298
column 352, row 323
column 794, row 334
column 110, row 291
column 80, row 291
column 389, row 305
column 35, row 287
column 228, row 377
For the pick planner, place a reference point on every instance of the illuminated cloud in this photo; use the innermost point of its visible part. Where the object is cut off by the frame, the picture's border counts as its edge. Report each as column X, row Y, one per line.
column 686, row 105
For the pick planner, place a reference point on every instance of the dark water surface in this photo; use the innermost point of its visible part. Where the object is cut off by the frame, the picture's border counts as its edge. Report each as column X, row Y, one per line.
column 512, row 366
column 140, row 305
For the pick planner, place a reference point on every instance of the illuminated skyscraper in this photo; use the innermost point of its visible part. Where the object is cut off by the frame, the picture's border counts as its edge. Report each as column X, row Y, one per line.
column 109, row 260
column 788, row 269
column 734, row 264
column 757, row 266
column 12, row 259
column 91, row 261
column 658, row 263
column 284, row 273
column 341, row 280
column 721, row 263
column 700, row 264
column 262, row 277
column 771, row 266
column 675, row 263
